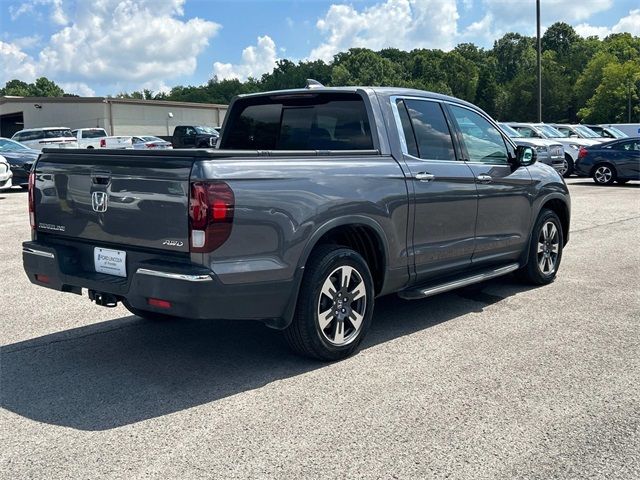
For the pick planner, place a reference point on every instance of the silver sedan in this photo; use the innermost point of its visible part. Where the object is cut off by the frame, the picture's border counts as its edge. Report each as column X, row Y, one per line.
column 149, row 142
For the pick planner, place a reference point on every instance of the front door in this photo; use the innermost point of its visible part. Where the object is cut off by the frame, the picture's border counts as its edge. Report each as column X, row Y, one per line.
column 626, row 159
column 442, row 188
column 504, row 193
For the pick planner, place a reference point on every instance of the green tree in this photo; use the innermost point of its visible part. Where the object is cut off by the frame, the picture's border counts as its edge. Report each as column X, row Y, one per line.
column 514, row 53
column 559, row 38
column 462, row 75
column 42, row 87
column 361, row 66
column 616, row 98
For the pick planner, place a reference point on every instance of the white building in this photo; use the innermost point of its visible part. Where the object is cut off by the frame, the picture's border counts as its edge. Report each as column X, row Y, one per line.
column 118, row 116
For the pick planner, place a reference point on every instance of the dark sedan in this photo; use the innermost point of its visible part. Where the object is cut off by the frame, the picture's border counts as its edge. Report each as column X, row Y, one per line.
column 20, row 159
column 617, row 161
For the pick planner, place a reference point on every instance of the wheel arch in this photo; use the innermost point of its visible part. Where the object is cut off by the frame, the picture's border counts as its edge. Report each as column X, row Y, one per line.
column 327, row 233
column 558, row 204
column 359, row 233
column 561, row 209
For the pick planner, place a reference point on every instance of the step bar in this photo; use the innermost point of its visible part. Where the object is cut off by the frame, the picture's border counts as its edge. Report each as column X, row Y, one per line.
column 423, row 292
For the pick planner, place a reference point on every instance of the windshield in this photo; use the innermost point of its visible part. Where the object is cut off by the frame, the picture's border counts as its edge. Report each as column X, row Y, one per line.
column 152, row 139
column 510, row 131
column 7, row 145
column 549, row 132
column 586, row 131
column 617, row 133
column 58, row 132
column 206, row 130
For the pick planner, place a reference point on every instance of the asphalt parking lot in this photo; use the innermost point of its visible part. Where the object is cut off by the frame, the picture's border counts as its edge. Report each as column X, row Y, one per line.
column 500, row 381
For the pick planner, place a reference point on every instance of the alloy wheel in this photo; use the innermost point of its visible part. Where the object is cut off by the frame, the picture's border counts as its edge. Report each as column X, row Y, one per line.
column 548, row 248
column 342, row 305
column 603, row 174
column 565, row 167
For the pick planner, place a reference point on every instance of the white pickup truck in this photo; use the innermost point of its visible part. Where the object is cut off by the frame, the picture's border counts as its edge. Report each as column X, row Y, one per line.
column 98, row 138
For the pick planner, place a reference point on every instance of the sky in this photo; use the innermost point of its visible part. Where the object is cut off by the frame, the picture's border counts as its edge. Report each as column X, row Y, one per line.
column 101, row 47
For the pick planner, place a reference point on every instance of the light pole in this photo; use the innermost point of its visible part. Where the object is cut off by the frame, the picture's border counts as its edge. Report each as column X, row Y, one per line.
column 539, row 61
column 169, row 116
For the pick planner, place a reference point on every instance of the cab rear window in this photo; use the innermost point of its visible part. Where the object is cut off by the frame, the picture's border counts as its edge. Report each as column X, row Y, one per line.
column 300, row 122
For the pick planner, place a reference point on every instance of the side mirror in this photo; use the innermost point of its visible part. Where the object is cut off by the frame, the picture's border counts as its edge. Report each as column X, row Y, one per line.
column 525, row 156
column 573, row 135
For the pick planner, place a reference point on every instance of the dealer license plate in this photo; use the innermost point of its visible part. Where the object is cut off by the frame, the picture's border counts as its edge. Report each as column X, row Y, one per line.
column 112, row 262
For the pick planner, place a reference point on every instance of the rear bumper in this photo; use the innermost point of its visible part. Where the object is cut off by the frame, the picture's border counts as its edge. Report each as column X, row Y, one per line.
column 193, row 291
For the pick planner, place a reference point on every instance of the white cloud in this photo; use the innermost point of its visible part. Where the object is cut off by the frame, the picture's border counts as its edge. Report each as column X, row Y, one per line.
column 30, row 41
column 256, row 60
column 108, row 42
column 523, row 12
column 119, row 40
column 56, row 7
column 78, row 88
column 502, row 16
column 405, row 24
column 14, row 63
column 629, row 24
column 480, row 31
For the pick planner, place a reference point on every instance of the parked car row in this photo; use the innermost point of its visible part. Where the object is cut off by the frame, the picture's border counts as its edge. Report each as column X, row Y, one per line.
column 572, row 138
column 184, row 136
column 20, row 152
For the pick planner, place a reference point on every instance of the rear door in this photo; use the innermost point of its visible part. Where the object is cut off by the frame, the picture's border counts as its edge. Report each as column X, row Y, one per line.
column 443, row 189
column 504, row 192
column 133, row 200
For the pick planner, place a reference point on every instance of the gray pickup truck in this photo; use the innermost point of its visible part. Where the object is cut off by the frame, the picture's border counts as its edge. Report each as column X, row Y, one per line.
column 317, row 201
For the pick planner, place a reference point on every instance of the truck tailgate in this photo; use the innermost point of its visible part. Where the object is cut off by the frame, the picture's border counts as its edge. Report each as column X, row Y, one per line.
column 114, row 198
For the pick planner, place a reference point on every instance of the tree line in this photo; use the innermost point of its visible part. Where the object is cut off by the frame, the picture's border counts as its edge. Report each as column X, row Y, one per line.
column 583, row 79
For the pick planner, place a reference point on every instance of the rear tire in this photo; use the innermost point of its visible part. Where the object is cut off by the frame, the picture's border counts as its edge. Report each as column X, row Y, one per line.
column 604, row 174
column 147, row 315
column 545, row 250
column 335, row 305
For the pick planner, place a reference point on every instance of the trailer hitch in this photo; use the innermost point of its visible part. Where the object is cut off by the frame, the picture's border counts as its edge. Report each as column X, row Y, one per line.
column 103, row 299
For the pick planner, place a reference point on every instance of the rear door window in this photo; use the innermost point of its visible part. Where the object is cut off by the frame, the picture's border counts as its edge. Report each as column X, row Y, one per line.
column 431, row 130
column 304, row 122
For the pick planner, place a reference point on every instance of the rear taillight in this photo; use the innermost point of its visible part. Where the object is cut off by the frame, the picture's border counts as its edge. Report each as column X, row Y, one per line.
column 32, row 203
column 583, row 153
column 103, row 143
column 211, row 206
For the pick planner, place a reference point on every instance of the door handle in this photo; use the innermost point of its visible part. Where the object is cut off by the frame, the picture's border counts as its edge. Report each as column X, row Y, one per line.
column 484, row 178
column 425, row 177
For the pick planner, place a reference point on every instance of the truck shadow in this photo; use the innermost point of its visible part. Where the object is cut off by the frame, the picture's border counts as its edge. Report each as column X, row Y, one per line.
column 126, row 370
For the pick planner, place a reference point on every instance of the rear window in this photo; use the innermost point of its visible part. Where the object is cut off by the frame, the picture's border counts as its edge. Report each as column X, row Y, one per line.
column 303, row 122
column 52, row 133
column 97, row 133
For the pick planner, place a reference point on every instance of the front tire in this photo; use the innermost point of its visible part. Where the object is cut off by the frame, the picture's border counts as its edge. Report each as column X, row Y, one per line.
column 604, row 174
column 335, row 305
column 545, row 251
column 568, row 167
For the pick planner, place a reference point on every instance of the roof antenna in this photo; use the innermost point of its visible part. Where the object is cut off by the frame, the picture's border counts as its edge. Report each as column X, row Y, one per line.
column 311, row 83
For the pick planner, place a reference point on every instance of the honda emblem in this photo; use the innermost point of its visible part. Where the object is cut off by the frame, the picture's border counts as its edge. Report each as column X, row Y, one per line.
column 99, row 202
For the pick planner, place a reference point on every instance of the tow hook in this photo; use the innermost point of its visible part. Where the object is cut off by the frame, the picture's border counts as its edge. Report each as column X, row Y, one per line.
column 103, row 299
